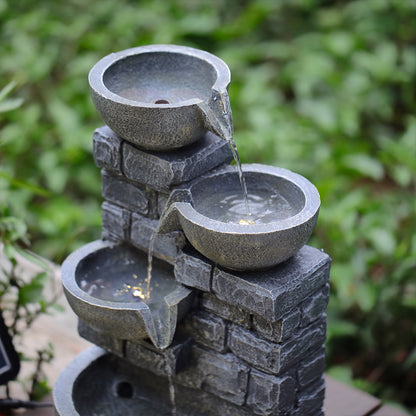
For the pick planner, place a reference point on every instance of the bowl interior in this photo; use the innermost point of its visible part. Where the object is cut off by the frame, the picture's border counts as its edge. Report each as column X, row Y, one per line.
column 160, row 78
column 110, row 386
column 119, row 274
column 271, row 198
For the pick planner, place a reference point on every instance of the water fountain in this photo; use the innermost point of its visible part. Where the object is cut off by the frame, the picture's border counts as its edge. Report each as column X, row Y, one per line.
column 234, row 322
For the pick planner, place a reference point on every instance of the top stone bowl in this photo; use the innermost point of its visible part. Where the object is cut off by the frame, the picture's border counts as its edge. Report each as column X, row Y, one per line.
column 162, row 97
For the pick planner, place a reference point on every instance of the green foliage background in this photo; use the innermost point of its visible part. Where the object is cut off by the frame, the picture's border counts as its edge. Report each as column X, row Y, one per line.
column 324, row 88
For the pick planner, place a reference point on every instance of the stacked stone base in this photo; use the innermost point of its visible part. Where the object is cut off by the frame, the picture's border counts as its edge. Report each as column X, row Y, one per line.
column 254, row 342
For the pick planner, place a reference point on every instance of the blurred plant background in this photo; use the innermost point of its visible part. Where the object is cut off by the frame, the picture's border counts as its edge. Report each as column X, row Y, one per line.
column 324, row 88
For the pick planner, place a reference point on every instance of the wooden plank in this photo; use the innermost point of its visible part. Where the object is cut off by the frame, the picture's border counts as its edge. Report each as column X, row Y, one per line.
column 389, row 411
column 343, row 400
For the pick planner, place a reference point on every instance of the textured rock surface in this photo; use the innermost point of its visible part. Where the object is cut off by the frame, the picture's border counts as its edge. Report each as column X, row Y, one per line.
column 274, row 292
column 107, row 149
column 117, row 190
column 270, row 395
column 194, row 271
column 162, row 170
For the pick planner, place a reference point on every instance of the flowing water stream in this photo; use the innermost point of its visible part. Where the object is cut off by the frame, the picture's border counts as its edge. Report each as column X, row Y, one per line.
column 245, row 219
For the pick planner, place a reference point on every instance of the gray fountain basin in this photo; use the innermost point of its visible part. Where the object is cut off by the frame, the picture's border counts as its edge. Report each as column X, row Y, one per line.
column 266, row 243
column 103, row 282
column 162, row 97
column 99, row 383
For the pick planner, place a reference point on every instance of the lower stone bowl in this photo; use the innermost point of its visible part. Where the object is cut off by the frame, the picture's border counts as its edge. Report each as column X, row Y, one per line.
column 106, row 286
column 211, row 212
column 98, row 383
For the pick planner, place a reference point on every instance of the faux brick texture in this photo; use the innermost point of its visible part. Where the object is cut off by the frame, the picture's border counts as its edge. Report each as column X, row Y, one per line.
column 221, row 374
column 274, row 292
column 115, row 221
column 166, row 246
column 162, row 170
column 107, row 149
column 223, row 309
column 270, row 395
column 119, row 191
column 193, row 271
column 207, row 330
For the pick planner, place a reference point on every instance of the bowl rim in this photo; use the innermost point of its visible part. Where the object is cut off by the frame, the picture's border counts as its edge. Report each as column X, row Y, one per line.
column 63, row 388
column 69, row 281
column 96, row 74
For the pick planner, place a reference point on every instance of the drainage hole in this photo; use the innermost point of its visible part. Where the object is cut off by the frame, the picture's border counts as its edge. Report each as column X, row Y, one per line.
column 161, row 102
column 124, row 389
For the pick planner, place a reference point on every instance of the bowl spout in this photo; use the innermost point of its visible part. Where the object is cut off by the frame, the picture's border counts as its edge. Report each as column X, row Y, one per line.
column 108, row 288
column 216, row 113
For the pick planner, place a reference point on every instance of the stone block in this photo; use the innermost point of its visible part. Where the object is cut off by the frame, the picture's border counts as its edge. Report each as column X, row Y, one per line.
column 270, row 395
column 271, row 357
column 115, row 221
column 107, row 149
column 223, row 309
column 254, row 350
column 166, row 246
column 309, row 338
column 105, row 341
column 193, row 402
column 274, row 292
column 310, row 401
column 174, row 359
column 315, row 306
column 121, row 192
column 279, row 330
column 312, row 367
column 223, row 375
column 162, row 170
column 207, row 330
column 193, row 270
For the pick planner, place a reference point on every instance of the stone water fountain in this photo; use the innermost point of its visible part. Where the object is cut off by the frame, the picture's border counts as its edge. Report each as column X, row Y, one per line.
column 232, row 321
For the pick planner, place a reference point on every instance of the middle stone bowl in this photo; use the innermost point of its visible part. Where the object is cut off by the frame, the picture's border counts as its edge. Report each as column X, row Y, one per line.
column 211, row 212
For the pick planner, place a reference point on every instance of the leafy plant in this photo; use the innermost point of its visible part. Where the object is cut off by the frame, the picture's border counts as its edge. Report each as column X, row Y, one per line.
column 22, row 298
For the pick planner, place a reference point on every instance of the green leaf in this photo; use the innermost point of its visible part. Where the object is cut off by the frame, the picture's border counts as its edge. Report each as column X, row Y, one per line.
column 9, row 250
column 35, row 189
column 40, row 389
column 365, row 165
column 341, row 372
column 383, row 240
column 34, row 258
column 7, row 90
column 10, row 104
column 33, row 291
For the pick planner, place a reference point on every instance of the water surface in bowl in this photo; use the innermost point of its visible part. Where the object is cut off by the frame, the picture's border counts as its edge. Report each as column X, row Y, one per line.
column 271, row 198
column 121, row 276
column 265, row 207
column 160, row 78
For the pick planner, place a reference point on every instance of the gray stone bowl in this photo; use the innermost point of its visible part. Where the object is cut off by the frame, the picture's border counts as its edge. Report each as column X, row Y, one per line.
column 92, row 278
column 245, row 246
column 98, row 383
column 162, row 97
